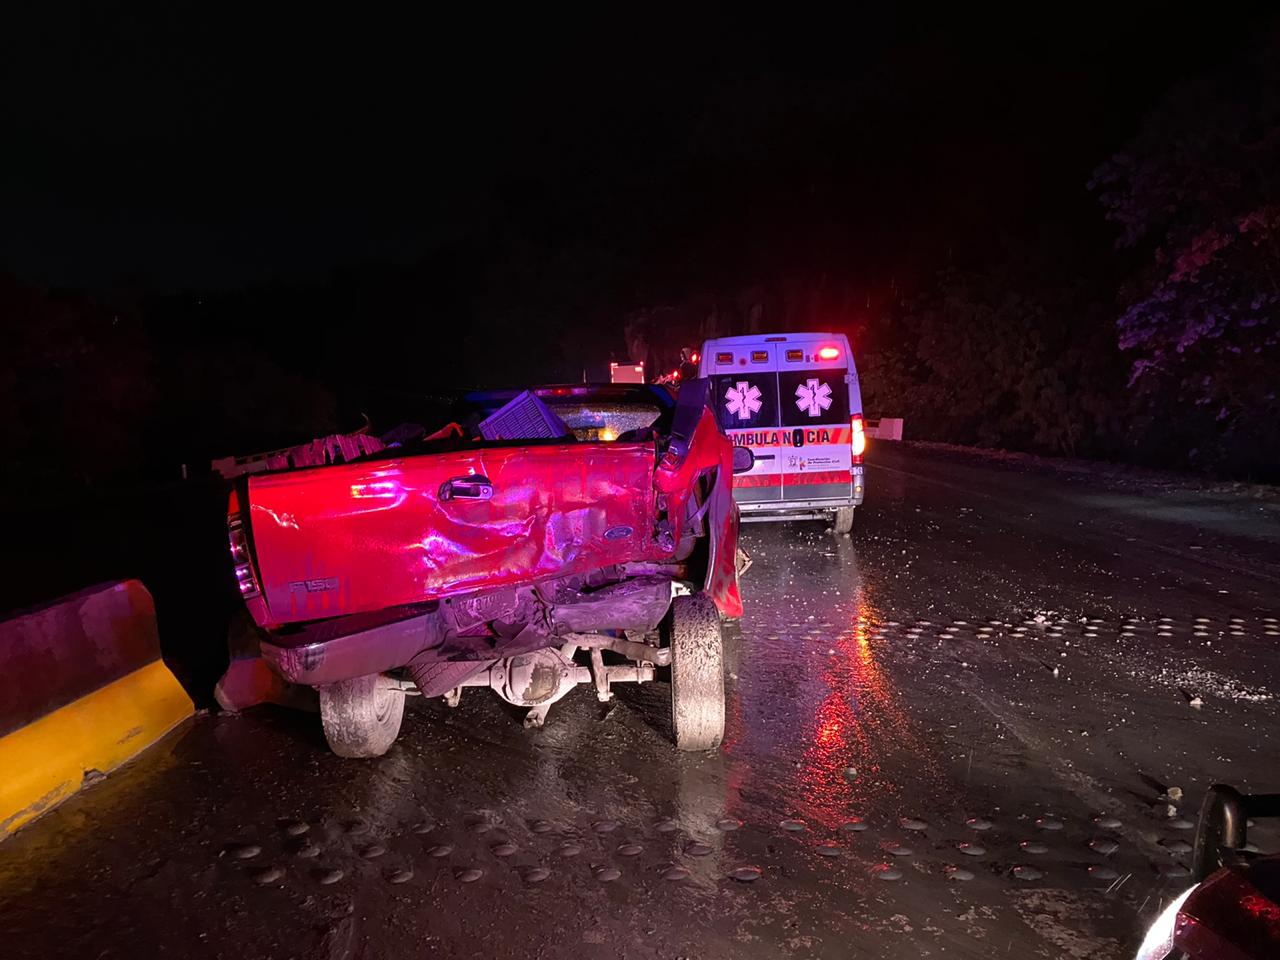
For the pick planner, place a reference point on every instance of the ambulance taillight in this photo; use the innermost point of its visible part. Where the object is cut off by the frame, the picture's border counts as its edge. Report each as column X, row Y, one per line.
column 858, row 438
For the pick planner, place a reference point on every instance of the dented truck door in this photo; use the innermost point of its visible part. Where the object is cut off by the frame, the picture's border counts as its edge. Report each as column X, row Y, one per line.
column 369, row 535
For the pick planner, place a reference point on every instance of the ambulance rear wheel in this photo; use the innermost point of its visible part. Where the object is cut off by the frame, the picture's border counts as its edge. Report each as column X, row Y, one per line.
column 842, row 519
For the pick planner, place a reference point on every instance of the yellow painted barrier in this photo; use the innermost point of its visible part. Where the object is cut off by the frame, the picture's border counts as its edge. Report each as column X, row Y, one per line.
column 46, row 761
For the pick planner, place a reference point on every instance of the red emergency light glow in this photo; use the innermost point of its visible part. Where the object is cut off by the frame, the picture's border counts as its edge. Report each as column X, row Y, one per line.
column 858, row 438
column 695, row 357
column 829, row 353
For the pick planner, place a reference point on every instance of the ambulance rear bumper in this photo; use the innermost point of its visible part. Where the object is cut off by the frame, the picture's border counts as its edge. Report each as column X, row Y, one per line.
column 756, row 503
column 791, row 506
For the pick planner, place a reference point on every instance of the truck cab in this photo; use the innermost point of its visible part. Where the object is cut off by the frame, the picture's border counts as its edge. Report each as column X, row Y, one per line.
column 793, row 400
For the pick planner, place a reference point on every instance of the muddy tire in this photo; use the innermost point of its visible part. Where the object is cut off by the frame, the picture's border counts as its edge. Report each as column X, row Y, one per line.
column 842, row 520
column 697, row 673
column 361, row 717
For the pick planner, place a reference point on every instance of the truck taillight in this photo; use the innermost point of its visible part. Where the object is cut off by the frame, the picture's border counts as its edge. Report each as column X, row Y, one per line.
column 239, row 543
column 858, row 438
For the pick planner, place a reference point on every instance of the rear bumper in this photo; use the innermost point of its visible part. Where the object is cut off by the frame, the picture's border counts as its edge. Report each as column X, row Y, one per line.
column 331, row 650
column 781, row 514
column 319, row 656
column 812, row 508
column 808, row 498
column 791, row 506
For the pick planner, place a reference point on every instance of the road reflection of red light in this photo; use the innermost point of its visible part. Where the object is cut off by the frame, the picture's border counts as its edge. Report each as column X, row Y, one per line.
column 859, row 723
column 829, row 731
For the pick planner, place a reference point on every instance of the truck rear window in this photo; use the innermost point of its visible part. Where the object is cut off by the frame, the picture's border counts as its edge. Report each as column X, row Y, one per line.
column 604, row 420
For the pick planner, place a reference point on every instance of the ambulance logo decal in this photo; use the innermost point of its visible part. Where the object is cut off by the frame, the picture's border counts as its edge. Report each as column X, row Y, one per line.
column 813, row 397
column 744, row 400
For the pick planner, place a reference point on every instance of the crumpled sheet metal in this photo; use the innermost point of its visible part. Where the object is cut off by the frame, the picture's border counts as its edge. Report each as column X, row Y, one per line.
column 358, row 537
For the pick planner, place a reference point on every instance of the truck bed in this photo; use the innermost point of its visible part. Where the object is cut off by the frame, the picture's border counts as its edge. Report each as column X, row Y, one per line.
column 358, row 537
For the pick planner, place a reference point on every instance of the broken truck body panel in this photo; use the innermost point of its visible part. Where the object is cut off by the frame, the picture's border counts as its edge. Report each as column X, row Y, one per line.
column 360, row 537
column 459, row 559
column 709, row 450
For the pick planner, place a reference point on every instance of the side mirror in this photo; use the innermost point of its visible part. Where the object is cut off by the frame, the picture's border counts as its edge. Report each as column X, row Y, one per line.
column 743, row 459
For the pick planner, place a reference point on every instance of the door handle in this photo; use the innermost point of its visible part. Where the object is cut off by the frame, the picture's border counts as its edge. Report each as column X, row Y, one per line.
column 472, row 487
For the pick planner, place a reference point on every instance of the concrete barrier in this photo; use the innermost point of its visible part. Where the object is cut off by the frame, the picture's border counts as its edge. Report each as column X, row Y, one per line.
column 82, row 690
column 886, row 428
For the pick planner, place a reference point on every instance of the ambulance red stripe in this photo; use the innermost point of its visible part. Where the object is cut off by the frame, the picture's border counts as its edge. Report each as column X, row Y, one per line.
column 793, row 479
column 781, row 436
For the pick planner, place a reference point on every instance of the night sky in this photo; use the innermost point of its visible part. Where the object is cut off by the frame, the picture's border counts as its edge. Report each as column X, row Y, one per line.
column 210, row 154
column 384, row 207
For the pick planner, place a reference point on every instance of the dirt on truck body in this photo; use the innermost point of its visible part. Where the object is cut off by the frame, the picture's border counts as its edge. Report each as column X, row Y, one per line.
column 598, row 547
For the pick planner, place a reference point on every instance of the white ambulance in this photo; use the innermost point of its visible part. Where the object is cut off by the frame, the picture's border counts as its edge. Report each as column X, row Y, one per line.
column 794, row 400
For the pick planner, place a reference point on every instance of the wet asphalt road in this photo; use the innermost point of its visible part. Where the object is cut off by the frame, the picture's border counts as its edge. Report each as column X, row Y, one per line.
column 996, row 646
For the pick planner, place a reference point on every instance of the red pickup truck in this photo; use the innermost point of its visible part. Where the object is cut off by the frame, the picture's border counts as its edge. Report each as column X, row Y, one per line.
column 603, row 554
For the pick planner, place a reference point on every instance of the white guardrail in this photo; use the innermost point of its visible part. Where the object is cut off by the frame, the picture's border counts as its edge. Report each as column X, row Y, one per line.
column 886, row 428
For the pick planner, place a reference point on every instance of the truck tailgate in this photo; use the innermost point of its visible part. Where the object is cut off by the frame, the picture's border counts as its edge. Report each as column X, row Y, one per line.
column 357, row 537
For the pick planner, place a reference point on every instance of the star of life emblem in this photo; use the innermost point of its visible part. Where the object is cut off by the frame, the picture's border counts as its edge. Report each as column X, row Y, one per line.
column 813, row 397
column 743, row 400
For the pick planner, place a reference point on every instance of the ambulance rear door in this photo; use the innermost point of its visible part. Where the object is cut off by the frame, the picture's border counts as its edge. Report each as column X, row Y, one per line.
column 746, row 390
column 813, row 413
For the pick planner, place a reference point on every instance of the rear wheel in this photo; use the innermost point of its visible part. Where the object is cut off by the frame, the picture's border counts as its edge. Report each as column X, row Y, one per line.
column 697, row 673
column 361, row 717
column 842, row 519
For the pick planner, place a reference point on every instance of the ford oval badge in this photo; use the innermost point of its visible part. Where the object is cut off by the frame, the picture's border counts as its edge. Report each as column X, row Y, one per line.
column 618, row 533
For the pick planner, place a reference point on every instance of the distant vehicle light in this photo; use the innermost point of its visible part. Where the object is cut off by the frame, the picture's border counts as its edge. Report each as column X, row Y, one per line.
column 626, row 372
column 759, row 356
column 829, row 353
column 608, row 434
column 724, row 358
column 795, row 356
column 695, row 357
column 858, row 438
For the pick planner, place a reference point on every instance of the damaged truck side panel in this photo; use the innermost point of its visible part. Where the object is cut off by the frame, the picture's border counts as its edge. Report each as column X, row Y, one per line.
column 497, row 565
column 365, row 536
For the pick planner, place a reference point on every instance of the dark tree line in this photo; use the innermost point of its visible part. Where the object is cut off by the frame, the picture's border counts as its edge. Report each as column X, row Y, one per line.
column 1155, row 342
column 1196, row 195
column 1164, row 350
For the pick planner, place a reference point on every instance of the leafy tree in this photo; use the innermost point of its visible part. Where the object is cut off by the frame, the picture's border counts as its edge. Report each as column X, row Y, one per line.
column 1197, row 197
column 974, row 359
